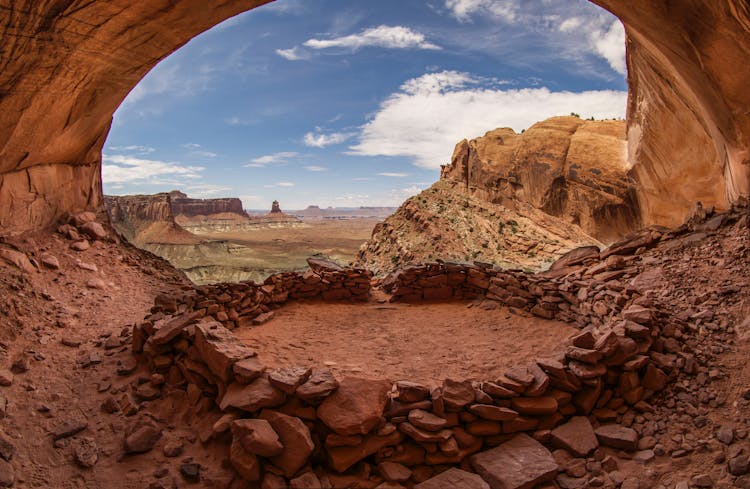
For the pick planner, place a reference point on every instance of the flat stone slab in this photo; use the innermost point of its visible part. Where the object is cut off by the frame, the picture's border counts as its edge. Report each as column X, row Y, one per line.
column 455, row 479
column 577, row 436
column 520, row 463
column 617, row 436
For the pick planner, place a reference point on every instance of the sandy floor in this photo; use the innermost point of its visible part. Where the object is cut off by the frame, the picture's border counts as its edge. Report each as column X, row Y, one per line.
column 421, row 343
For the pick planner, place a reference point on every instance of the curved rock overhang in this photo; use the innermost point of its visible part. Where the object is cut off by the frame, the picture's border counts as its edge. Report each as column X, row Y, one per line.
column 65, row 67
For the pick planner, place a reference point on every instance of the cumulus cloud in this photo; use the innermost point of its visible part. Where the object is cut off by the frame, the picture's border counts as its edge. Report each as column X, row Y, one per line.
column 574, row 29
column 383, row 36
column 391, row 37
column 463, row 10
column 320, row 140
column 571, row 24
column 118, row 169
column 610, row 45
column 426, row 118
column 272, row 159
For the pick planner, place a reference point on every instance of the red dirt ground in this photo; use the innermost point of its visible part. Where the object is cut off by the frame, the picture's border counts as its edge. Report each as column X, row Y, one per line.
column 423, row 343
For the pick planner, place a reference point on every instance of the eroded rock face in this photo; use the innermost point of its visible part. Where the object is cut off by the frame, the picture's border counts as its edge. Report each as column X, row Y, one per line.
column 566, row 167
column 688, row 128
column 66, row 67
column 182, row 204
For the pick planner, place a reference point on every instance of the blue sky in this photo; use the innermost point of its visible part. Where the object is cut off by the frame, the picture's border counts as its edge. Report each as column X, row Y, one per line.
column 355, row 102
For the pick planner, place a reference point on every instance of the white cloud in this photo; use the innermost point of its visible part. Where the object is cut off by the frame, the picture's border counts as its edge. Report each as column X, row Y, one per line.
column 237, row 121
column 463, row 10
column 293, row 54
column 118, row 169
column 319, row 140
column 134, row 149
column 204, row 154
column 272, row 159
column 285, row 184
column 393, row 175
column 315, row 168
column 610, row 45
column 196, row 150
column 391, row 37
column 528, row 32
column 432, row 113
column 437, row 82
column 571, row 24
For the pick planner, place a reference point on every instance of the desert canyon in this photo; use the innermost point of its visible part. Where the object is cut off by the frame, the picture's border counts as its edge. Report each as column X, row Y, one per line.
column 565, row 308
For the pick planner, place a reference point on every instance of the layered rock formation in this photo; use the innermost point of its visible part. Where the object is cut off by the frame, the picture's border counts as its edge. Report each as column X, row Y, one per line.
column 572, row 169
column 66, row 67
column 516, row 200
column 183, row 205
column 146, row 219
column 688, row 128
column 173, row 226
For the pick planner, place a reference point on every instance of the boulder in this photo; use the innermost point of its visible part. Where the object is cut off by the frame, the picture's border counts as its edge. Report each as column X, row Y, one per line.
column 456, row 394
column 245, row 463
column 454, row 479
column 257, row 437
column 520, row 463
column 289, row 378
column 93, row 230
column 142, row 436
column 294, row 436
column 577, row 436
column 319, row 386
column 342, row 458
column 356, row 407
column 220, row 349
column 252, row 397
column 617, row 436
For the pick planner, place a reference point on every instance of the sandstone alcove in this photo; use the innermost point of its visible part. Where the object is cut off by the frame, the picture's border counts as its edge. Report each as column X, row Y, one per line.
column 688, row 134
column 689, row 141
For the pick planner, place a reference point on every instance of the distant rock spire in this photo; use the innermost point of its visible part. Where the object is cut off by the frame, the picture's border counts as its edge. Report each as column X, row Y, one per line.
column 275, row 209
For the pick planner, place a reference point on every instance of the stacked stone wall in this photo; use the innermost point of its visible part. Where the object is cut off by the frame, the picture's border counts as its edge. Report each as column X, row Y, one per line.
column 282, row 423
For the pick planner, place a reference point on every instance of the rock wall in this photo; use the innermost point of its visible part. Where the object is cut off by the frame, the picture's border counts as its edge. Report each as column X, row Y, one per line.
column 65, row 68
column 570, row 168
column 181, row 204
column 282, row 423
column 688, row 128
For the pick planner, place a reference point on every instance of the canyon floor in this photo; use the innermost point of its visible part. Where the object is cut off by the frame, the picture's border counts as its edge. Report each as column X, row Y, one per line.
column 65, row 330
column 256, row 254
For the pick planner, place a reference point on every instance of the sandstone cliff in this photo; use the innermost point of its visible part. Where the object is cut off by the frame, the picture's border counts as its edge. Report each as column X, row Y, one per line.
column 517, row 200
column 146, row 220
column 572, row 169
column 183, row 205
